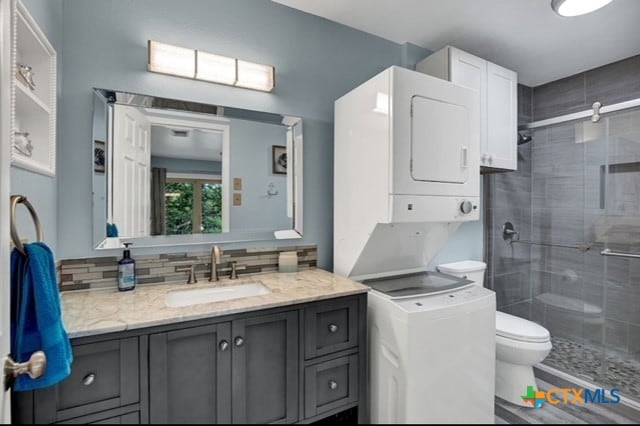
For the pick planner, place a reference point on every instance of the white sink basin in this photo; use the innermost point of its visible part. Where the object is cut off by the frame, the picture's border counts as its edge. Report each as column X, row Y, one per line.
column 178, row 298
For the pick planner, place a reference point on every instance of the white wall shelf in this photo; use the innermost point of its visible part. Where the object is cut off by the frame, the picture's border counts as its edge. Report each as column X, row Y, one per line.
column 33, row 111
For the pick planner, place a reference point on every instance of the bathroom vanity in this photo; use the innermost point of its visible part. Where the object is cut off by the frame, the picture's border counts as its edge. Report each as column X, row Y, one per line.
column 297, row 354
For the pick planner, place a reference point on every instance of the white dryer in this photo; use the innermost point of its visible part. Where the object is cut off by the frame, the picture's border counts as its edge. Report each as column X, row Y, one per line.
column 432, row 349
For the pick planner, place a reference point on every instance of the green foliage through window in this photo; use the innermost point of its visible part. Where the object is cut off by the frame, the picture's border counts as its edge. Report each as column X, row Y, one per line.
column 180, row 207
column 211, row 208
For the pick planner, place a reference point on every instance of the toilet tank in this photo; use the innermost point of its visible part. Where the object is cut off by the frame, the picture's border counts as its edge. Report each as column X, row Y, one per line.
column 469, row 269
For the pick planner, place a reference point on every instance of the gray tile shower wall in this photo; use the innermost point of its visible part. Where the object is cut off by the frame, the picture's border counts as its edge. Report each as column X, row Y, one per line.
column 508, row 198
column 99, row 272
column 609, row 84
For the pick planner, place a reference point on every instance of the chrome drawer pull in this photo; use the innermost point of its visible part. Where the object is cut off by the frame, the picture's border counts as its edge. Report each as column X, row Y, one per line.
column 333, row 328
column 89, row 379
column 239, row 341
column 333, row 384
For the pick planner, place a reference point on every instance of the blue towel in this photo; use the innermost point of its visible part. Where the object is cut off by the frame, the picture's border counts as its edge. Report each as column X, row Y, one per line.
column 36, row 317
column 112, row 230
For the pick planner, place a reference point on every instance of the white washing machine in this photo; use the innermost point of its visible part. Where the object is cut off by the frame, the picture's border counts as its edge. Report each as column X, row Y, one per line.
column 432, row 349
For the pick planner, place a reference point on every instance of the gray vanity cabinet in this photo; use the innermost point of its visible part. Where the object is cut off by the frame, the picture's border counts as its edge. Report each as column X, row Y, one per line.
column 243, row 371
column 189, row 378
column 292, row 364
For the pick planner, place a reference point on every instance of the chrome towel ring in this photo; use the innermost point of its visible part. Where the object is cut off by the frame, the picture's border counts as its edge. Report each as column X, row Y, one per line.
column 21, row 199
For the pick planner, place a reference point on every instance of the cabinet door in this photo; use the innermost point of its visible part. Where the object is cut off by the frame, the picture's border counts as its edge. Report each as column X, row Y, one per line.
column 502, row 110
column 189, row 375
column 265, row 369
column 471, row 71
column 104, row 375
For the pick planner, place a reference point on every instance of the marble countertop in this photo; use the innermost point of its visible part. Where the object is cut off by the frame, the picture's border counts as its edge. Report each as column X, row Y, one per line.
column 99, row 311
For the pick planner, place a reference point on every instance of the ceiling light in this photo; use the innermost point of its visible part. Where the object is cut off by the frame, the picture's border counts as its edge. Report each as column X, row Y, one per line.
column 577, row 7
column 199, row 65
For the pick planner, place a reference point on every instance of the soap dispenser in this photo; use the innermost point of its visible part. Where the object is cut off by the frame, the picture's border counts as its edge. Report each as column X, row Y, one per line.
column 126, row 270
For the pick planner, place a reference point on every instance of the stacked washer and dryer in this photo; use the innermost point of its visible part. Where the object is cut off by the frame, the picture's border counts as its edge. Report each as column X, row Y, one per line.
column 406, row 176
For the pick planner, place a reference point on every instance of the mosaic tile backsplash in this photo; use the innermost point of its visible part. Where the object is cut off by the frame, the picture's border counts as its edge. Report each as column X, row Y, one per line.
column 101, row 272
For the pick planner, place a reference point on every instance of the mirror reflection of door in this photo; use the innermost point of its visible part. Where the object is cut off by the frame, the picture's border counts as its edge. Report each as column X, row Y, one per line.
column 131, row 171
column 167, row 174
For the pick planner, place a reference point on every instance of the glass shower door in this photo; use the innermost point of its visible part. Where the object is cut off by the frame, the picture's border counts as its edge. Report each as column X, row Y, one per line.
column 618, row 229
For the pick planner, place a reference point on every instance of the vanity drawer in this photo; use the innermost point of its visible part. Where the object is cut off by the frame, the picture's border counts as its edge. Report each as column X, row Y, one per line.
column 111, row 417
column 330, row 385
column 331, row 326
column 104, row 375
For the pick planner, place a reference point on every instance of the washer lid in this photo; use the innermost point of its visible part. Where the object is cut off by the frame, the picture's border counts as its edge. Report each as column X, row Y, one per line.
column 418, row 284
column 517, row 328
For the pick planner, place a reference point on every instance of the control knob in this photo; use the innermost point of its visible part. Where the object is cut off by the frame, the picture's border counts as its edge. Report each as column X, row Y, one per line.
column 466, row 207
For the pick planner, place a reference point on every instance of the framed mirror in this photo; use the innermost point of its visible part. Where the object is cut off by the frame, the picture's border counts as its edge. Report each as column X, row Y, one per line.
column 173, row 172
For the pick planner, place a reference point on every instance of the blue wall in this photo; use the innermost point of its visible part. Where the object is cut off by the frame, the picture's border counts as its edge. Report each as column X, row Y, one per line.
column 316, row 60
column 41, row 189
column 250, row 160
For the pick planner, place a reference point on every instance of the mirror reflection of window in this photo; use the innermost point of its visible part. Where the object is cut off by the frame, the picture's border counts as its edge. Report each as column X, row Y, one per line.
column 193, row 206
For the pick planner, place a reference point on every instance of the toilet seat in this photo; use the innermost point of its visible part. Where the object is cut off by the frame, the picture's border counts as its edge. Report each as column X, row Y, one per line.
column 515, row 328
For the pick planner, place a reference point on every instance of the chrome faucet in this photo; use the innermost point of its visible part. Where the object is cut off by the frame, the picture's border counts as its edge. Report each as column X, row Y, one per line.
column 192, row 273
column 215, row 260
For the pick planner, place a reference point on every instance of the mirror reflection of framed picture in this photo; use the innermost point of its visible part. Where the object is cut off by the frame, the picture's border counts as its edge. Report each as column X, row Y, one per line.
column 279, row 159
column 98, row 157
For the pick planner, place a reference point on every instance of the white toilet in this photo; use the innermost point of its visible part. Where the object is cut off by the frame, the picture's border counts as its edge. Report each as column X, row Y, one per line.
column 520, row 343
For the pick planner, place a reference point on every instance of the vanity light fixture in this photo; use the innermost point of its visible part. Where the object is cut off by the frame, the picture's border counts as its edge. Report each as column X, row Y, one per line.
column 577, row 7
column 174, row 60
column 199, row 65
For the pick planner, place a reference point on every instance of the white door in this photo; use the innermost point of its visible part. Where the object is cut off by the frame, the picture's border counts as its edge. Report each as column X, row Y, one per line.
column 502, row 119
column 439, row 138
column 5, row 166
column 131, row 171
column 471, row 71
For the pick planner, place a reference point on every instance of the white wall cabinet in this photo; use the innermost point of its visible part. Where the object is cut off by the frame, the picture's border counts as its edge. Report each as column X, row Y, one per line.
column 497, row 87
column 33, row 95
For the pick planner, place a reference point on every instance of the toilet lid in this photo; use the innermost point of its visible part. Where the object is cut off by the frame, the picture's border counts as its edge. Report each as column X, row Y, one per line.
column 517, row 328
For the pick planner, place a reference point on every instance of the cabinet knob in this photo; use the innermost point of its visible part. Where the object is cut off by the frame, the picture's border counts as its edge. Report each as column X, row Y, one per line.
column 333, row 328
column 224, row 345
column 89, row 379
column 333, row 384
column 239, row 341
